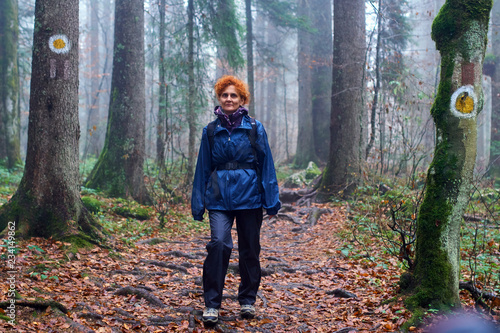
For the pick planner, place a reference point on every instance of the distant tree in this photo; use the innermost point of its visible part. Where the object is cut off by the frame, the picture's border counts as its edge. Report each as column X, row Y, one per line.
column 321, row 78
column 282, row 14
column 119, row 171
column 225, row 30
column 306, row 151
column 377, row 83
column 93, row 135
column 47, row 202
column 342, row 172
column 460, row 32
column 9, row 85
column 191, row 99
column 495, row 89
column 250, row 65
column 392, row 34
column 162, row 95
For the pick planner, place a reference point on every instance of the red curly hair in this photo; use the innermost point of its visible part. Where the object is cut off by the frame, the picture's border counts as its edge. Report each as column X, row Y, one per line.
column 229, row 80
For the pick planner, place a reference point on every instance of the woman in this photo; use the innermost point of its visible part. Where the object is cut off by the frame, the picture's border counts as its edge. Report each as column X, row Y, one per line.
column 234, row 178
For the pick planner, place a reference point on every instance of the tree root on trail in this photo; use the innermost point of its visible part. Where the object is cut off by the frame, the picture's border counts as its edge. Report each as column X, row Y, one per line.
column 292, row 286
column 300, row 197
column 479, row 296
column 315, row 215
column 163, row 321
column 288, row 196
column 263, row 298
column 166, row 265
column 307, row 199
column 138, row 272
column 179, row 254
column 287, row 208
column 347, row 330
column 123, row 313
column 86, row 312
column 38, row 304
column 187, row 292
column 151, row 241
column 141, row 293
column 75, row 327
column 291, row 218
column 341, row 293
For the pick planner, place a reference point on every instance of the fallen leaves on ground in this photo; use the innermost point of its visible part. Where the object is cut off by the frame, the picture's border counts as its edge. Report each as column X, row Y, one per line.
column 308, row 284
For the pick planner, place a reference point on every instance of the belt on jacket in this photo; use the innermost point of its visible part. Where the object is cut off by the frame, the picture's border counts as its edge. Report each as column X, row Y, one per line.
column 234, row 165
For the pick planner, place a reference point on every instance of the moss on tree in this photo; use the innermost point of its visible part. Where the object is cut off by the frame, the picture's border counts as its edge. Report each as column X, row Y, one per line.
column 459, row 31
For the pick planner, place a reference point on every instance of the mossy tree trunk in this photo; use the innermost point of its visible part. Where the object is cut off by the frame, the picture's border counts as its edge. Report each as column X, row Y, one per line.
column 460, row 33
column 342, row 172
column 47, row 202
column 9, row 85
column 119, row 171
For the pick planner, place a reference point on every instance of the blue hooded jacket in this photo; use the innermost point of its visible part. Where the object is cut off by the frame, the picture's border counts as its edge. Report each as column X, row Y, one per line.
column 238, row 188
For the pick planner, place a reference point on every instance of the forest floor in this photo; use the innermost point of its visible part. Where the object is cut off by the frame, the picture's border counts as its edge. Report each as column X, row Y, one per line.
column 153, row 284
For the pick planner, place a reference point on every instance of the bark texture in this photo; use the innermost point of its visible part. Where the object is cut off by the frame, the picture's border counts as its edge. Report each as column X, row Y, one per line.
column 343, row 169
column 460, row 33
column 47, row 202
column 119, row 172
column 9, row 85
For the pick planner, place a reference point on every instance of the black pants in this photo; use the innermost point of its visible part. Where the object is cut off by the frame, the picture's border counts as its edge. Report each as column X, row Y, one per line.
column 248, row 224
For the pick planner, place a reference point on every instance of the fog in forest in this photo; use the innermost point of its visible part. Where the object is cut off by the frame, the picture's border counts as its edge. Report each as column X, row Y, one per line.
column 292, row 52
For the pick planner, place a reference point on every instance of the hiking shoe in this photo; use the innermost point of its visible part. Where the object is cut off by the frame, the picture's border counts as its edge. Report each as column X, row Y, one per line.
column 247, row 311
column 210, row 316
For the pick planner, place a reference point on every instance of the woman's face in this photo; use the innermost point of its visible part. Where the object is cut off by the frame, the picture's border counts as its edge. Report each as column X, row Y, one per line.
column 230, row 100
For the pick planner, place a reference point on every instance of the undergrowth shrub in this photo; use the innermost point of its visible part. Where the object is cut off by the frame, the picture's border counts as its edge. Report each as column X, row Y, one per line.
column 384, row 214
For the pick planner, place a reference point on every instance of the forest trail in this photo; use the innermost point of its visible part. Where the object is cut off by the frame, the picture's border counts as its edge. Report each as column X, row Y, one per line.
column 309, row 284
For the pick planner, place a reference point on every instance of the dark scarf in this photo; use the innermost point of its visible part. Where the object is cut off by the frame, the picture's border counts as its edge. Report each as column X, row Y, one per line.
column 232, row 121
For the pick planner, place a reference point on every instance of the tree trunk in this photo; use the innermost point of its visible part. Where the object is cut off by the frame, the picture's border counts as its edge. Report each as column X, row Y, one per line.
column 191, row 114
column 495, row 89
column 47, row 202
column 343, row 169
column 94, row 140
column 376, row 88
column 462, row 45
column 162, row 98
column 119, row 172
column 321, row 85
column 305, row 139
column 225, row 27
column 249, row 40
column 10, row 154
